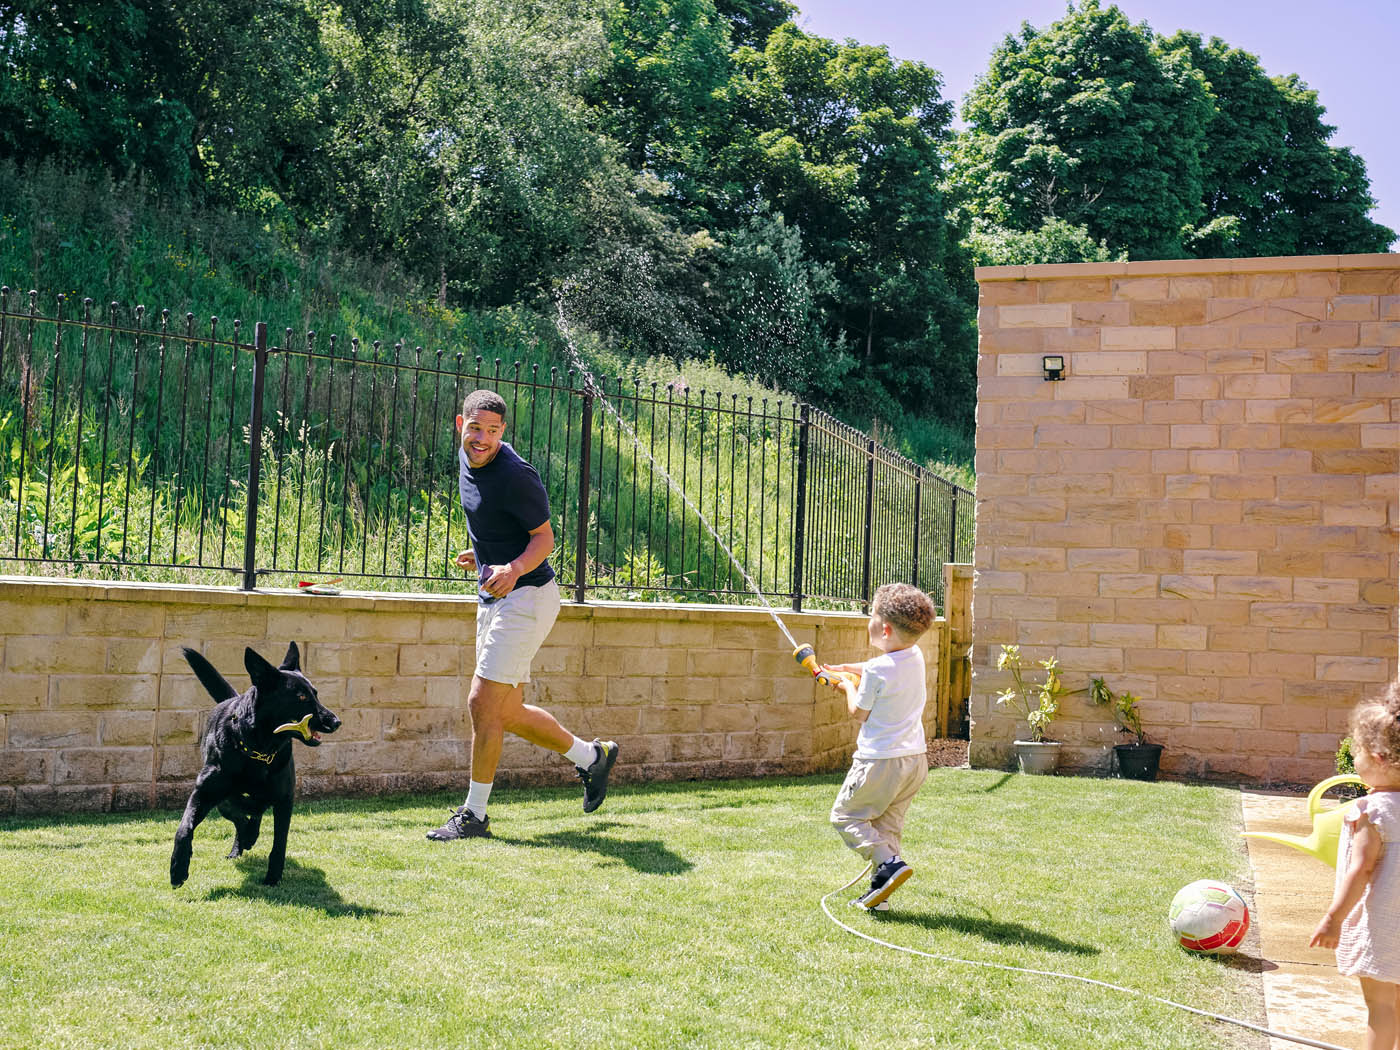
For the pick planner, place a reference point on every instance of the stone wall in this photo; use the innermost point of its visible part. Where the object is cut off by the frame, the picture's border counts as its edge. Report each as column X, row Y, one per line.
column 98, row 709
column 1203, row 511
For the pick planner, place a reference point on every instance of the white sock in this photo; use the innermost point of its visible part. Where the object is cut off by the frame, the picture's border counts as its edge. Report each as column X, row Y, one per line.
column 477, row 794
column 582, row 753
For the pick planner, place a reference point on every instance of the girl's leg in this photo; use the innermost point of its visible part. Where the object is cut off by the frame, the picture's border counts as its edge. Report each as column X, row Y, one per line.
column 1381, row 1008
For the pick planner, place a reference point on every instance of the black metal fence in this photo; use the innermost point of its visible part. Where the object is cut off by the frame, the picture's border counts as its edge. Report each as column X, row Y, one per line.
column 155, row 448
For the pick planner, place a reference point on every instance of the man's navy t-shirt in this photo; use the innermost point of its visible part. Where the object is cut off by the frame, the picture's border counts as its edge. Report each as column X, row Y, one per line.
column 504, row 500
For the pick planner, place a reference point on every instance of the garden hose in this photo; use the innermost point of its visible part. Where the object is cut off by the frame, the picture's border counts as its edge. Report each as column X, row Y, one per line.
column 1065, row 976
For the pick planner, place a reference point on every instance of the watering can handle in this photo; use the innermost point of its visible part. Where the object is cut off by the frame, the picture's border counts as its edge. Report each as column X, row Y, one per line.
column 1315, row 795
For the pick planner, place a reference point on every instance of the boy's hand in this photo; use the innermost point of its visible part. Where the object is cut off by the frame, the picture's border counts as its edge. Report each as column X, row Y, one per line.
column 1327, row 934
column 467, row 560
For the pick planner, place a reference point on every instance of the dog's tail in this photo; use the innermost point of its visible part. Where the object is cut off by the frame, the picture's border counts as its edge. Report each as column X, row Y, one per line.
column 216, row 683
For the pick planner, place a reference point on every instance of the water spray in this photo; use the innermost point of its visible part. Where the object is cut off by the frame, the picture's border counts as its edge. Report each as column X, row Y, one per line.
column 595, row 388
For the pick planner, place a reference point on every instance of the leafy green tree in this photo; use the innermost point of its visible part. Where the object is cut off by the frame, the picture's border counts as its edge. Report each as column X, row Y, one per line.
column 1055, row 242
column 222, row 98
column 846, row 147
column 464, row 147
column 1093, row 121
column 751, row 22
column 1272, row 184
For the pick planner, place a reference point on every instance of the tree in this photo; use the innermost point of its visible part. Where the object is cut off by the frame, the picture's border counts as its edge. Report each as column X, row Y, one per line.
column 847, row 148
column 1272, row 184
column 217, row 98
column 1092, row 121
column 1055, row 242
column 751, row 22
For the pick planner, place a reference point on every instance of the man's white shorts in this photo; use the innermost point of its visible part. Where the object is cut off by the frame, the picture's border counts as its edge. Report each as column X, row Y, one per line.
column 510, row 630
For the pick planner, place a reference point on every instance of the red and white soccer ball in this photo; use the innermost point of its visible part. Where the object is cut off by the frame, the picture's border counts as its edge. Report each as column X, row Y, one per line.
column 1209, row 917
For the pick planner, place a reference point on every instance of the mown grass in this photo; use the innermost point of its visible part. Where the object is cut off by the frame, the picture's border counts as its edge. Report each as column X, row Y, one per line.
column 681, row 915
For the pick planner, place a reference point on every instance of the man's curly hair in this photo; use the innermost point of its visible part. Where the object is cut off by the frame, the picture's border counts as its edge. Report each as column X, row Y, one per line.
column 1375, row 725
column 905, row 608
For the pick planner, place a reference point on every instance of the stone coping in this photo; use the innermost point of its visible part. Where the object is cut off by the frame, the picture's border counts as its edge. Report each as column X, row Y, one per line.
column 384, row 601
column 1178, row 267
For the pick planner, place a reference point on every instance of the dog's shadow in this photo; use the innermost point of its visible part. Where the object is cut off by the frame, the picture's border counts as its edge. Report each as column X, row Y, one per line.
column 301, row 887
column 646, row 856
column 988, row 929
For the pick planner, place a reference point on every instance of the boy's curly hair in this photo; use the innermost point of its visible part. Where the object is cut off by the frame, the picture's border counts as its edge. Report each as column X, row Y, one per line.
column 487, row 400
column 905, row 608
column 1375, row 724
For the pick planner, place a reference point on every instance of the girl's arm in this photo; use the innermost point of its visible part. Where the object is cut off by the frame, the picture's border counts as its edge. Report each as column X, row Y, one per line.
column 1365, row 852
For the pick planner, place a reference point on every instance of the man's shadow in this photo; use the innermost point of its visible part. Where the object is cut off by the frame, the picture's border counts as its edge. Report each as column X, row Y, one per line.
column 647, row 856
column 301, row 886
column 988, row 929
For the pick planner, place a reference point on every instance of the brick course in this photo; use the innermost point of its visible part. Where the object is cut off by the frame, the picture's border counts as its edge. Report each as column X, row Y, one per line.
column 112, row 722
column 1207, row 502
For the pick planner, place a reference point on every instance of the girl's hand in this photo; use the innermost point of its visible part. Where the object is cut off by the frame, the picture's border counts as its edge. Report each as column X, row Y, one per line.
column 1327, row 934
column 467, row 560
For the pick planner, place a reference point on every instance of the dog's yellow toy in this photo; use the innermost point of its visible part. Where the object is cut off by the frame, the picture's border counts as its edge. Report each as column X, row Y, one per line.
column 806, row 656
column 303, row 727
column 1326, row 823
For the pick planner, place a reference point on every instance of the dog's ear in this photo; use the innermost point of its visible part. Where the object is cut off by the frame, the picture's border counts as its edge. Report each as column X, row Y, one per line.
column 263, row 674
column 292, row 661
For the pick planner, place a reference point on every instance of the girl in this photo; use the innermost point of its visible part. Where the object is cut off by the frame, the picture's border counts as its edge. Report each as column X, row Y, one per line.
column 1363, row 921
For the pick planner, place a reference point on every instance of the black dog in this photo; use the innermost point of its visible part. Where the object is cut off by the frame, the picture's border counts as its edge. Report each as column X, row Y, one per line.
column 248, row 755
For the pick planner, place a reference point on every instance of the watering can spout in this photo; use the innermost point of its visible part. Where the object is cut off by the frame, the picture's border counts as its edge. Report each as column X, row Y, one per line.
column 1326, row 833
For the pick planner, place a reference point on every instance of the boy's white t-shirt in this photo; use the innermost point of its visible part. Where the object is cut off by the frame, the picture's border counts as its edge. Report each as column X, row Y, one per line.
column 892, row 689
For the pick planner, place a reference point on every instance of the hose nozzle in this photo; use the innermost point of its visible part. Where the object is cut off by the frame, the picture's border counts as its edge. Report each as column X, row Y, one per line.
column 806, row 656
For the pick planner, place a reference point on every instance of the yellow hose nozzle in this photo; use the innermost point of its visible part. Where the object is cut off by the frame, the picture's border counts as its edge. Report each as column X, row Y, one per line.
column 806, row 656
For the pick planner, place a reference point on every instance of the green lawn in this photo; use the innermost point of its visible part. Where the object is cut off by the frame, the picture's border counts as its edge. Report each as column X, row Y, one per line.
column 680, row 915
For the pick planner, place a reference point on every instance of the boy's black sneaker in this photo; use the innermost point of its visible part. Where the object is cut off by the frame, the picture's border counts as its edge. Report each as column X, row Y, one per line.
column 595, row 777
column 463, row 824
column 888, row 877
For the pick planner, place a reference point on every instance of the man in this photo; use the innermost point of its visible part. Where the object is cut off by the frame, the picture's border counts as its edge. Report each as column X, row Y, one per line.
column 508, row 521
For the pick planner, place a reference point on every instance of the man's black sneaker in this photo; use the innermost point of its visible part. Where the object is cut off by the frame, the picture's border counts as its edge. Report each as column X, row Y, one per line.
column 463, row 824
column 595, row 777
column 888, row 877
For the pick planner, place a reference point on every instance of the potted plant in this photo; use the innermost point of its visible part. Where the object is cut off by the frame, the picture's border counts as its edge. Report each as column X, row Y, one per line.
column 1139, row 759
column 1037, row 705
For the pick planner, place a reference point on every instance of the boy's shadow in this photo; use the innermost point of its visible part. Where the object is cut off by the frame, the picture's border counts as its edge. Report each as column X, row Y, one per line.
column 301, row 886
column 647, row 856
column 988, row 929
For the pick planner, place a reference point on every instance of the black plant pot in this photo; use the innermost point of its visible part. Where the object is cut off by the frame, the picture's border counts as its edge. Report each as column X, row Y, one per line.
column 1138, row 761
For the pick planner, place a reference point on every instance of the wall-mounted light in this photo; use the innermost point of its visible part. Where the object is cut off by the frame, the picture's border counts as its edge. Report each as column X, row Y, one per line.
column 1054, row 366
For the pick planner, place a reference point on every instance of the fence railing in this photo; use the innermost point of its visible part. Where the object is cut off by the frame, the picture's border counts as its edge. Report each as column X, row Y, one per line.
column 152, row 447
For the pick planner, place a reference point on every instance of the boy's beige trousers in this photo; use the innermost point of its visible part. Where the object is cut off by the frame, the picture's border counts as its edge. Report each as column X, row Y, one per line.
column 870, row 808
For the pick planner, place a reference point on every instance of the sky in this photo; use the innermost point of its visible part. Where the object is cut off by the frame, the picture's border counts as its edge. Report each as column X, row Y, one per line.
column 1343, row 49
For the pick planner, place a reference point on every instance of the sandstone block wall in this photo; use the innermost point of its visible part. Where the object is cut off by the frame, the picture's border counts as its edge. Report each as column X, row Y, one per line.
column 1204, row 511
column 98, row 709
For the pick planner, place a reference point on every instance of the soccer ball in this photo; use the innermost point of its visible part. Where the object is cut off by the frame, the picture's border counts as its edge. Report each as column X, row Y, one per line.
column 1209, row 917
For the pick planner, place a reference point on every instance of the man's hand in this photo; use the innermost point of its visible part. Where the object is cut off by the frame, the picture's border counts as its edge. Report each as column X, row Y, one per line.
column 467, row 560
column 499, row 580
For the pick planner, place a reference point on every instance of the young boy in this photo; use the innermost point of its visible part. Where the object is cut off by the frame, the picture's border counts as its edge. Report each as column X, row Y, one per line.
column 891, row 757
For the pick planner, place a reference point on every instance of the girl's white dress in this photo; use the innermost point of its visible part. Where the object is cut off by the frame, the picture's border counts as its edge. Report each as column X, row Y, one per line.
column 1370, row 940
